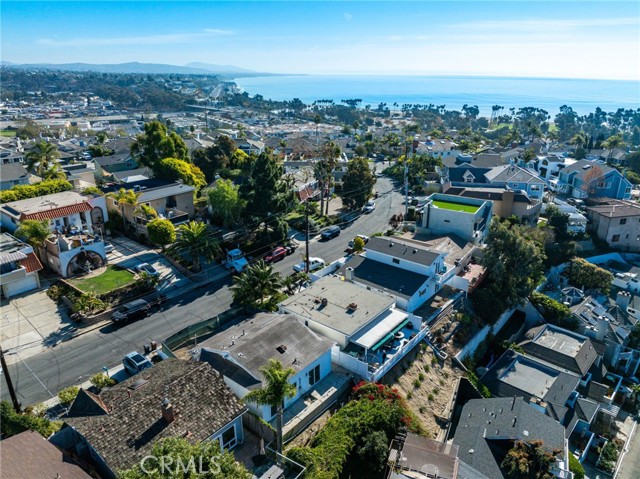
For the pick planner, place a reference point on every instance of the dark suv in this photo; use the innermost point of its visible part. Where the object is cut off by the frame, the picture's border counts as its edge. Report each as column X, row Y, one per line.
column 136, row 309
column 330, row 232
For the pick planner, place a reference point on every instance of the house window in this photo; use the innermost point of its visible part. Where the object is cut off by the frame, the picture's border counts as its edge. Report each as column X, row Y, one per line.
column 626, row 237
column 314, row 375
column 623, row 221
column 615, row 238
column 229, row 439
column 396, row 261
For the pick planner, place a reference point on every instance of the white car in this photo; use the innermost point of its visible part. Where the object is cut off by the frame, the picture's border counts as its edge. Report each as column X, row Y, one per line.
column 314, row 264
column 108, row 248
column 369, row 207
column 147, row 268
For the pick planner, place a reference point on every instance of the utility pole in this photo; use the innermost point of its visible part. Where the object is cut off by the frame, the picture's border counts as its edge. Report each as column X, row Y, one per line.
column 12, row 392
column 406, row 180
column 306, row 217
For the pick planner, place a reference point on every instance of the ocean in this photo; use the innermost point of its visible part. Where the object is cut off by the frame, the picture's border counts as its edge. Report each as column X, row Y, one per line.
column 453, row 91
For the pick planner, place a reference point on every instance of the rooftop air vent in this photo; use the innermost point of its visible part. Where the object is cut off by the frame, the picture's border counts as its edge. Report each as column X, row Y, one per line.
column 353, row 306
column 324, row 301
column 281, row 349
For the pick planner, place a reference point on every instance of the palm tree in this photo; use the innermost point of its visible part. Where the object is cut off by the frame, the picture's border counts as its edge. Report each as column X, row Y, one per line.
column 612, row 143
column 124, row 197
column 258, row 282
column 277, row 389
column 42, row 156
column 331, row 152
column 34, row 232
column 194, row 240
column 148, row 212
column 578, row 139
column 54, row 172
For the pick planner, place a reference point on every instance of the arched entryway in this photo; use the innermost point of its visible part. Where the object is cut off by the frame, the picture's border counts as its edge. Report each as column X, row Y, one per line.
column 84, row 262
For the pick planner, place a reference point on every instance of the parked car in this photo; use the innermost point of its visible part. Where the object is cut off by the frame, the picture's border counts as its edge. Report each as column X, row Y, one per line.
column 314, row 264
column 108, row 248
column 369, row 207
column 147, row 268
column 363, row 237
column 291, row 247
column 276, row 255
column 135, row 362
column 136, row 309
column 330, row 232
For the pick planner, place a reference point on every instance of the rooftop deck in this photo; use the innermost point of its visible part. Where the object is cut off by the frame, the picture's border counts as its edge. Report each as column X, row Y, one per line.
column 453, row 206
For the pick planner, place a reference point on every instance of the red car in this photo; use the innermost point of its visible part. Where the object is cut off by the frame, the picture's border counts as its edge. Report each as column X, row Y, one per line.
column 275, row 255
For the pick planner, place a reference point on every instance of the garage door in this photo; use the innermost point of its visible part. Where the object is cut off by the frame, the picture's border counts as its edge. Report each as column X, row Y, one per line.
column 20, row 286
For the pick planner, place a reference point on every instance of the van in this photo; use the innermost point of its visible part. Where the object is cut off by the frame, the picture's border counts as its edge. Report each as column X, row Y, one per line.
column 135, row 309
column 330, row 232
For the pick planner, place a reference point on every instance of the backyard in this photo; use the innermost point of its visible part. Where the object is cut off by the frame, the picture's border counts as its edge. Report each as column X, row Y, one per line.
column 112, row 278
column 449, row 205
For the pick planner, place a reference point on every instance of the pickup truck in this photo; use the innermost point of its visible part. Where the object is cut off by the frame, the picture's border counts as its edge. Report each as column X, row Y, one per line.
column 236, row 262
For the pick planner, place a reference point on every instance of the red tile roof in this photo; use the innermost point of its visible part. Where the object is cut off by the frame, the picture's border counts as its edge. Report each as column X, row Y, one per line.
column 57, row 212
column 32, row 263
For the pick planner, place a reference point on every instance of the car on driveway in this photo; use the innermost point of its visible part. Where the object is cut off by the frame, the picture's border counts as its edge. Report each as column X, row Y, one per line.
column 276, row 255
column 108, row 248
column 330, row 232
column 135, row 362
column 147, row 268
column 362, row 237
column 136, row 309
column 369, row 207
column 314, row 264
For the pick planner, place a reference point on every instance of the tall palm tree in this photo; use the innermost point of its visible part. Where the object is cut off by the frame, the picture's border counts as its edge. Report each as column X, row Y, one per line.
column 274, row 392
column 34, row 232
column 258, row 282
column 194, row 240
column 42, row 156
column 578, row 140
column 124, row 197
column 612, row 143
column 54, row 172
column 331, row 152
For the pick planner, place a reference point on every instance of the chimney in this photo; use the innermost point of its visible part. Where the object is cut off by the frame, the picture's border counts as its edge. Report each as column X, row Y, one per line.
column 167, row 411
column 324, row 302
column 348, row 274
column 623, row 299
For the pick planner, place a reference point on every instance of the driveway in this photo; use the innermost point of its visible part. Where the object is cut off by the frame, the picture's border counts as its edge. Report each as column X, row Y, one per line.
column 128, row 254
column 32, row 322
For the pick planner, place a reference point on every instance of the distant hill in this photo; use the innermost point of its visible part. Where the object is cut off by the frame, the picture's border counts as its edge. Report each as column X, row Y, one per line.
column 136, row 67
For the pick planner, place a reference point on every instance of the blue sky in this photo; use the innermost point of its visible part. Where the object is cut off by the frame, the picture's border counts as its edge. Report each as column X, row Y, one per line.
column 575, row 39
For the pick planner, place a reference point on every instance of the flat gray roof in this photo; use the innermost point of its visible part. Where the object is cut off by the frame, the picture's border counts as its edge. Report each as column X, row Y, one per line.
column 339, row 295
column 559, row 341
column 530, row 377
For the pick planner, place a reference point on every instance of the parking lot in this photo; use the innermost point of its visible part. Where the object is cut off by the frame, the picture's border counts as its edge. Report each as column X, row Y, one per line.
column 128, row 254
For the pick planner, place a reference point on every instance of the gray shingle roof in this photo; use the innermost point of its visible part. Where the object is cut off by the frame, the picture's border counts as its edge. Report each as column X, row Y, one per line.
column 484, row 423
column 133, row 421
column 400, row 282
column 263, row 334
column 403, row 250
column 112, row 160
column 13, row 172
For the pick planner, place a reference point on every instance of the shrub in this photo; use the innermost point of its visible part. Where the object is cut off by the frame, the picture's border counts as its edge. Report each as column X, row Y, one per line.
column 446, row 375
column 553, row 311
column 101, row 380
column 421, row 377
column 176, row 169
column 417, row 383
column 430, row 397
column 12, row 422
column 434, row 360
column 23, row 192
column 576, row 467
column 442, row 383
column 484, row 390
column 583, row 274
column 609, row 456
column 91, row 190
column 68, row 395
column 436, row 391
column 427, row 368
column 161, row 232
column 358, row 245
column 422, row 409
column 409, row 395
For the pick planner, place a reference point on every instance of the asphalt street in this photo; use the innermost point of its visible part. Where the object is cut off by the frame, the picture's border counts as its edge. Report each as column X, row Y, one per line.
column 40, row 377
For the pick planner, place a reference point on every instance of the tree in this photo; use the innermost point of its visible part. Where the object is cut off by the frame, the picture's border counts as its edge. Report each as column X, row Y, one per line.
column 68, row 395
column 611, row 143
column 12, row 422
column 357, row 183
column 558, row 220
column 124, row 197
column 264, row 190
column 182, row 459
column 194, row 241
column 148, row 212
column 101, row 381
column 576, row 467
column 255, row 284
column 590, row 180
column 34, row 232
column 161, row 232
column 225, row 202
column 529, row 460
column 515, row 261
column 216, row 157
column 553, row 311
column 157, row 143
column 41, row 157
column 54, row 172
column 583, row 274
column 330, row 152
column 358, row 245
column 274, row 392
column 175, row 169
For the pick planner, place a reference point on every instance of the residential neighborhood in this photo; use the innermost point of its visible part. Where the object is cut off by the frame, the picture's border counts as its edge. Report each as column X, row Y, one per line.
column 319, row 290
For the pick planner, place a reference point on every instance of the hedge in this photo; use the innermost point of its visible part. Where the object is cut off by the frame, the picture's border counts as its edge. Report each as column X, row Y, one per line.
column 23, row 192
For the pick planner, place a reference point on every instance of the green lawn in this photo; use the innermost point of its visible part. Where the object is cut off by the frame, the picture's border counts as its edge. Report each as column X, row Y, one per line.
column 8, row 133
column 448, row 205
column 112, row 278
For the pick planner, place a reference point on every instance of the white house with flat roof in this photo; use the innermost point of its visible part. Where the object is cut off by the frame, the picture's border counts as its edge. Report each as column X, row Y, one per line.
column 370, row 333
column 468, row 218
column 76, row 244
column 19, row 266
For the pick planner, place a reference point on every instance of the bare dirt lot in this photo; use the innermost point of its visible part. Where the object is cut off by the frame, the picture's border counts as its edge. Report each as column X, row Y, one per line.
column 428, row 385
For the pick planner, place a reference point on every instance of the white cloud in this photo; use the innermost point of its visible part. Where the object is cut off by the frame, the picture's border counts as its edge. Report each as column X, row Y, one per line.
column 141, row 40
